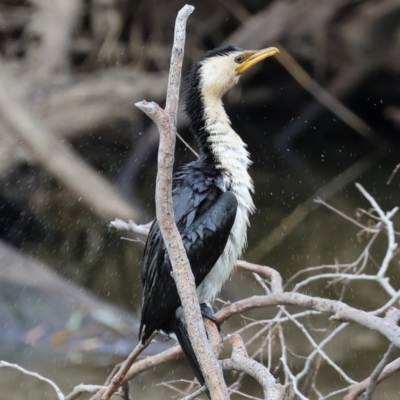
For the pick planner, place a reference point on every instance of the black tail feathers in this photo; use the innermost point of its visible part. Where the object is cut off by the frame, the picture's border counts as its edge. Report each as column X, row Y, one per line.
column 183, row 339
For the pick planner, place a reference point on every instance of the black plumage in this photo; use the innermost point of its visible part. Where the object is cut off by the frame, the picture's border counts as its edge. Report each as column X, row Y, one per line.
column 204, row 225
column 204, row 216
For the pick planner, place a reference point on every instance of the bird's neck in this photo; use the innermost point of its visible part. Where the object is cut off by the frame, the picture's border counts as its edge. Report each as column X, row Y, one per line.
column 221, row 142
column 221, row 147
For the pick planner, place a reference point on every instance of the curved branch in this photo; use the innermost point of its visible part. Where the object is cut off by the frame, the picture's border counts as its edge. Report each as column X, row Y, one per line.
column 241, row 361
column 341, row 311
column 58, row 391
column 272, row 274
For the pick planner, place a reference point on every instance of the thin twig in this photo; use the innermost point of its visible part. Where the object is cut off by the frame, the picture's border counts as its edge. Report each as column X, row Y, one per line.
column 82, row 388
column 316, row 351
column 288, row 373
column 187, row 145
column 266, row 272
column 378, row 370
column 359, row 388
column 318, row 348
column 120, row 375
column 58, row 391
column 392, row 245
column 343, row 215
column 195, row 394
column 393, row 174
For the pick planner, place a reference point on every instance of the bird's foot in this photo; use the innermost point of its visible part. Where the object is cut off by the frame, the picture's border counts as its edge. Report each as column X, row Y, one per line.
column 207, row 312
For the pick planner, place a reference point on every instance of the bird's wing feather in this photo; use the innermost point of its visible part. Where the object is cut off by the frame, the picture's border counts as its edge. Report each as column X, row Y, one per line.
column 204, row 229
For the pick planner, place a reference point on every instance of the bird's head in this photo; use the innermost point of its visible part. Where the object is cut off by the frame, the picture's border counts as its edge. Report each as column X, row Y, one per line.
column 220, row 69
column 211, row 77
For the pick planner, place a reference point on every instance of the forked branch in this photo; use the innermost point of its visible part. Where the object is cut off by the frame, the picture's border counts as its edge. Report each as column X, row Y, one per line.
column 166, row 123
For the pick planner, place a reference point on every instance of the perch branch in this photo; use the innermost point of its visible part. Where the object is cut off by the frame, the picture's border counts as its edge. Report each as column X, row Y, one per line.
column 166, row 122
column 195, row 394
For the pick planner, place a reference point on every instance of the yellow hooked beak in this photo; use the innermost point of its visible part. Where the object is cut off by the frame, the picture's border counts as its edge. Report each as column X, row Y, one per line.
column 252, row 58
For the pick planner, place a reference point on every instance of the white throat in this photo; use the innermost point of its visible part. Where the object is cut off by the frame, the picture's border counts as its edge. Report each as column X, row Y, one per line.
column 232, row 159
column 229, row 151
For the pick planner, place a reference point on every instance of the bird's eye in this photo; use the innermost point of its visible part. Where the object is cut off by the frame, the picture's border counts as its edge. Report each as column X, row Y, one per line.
column 238, row 59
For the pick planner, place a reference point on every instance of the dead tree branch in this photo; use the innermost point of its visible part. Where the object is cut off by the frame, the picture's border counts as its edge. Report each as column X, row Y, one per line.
column 166, row 122
column 116, row 381
column 360, row 387
column 58, row 391
column 340, row 311
column 241, row 361
column 378, row 370
column 80, row 389
column 271, row 281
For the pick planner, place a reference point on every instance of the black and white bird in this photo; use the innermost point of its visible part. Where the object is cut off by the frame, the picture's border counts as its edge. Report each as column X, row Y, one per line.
column 212, row 201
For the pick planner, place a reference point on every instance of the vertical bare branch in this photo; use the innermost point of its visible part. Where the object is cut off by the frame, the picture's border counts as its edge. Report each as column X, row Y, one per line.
column 175, row 72
column 183, row 276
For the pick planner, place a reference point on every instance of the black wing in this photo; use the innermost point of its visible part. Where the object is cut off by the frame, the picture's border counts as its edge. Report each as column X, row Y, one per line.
column 205, row 222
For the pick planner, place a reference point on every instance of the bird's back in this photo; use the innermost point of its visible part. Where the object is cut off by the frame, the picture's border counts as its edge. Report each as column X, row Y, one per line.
column 204, row 216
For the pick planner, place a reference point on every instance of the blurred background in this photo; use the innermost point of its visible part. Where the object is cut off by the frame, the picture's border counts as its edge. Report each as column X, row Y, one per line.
column 75, row 153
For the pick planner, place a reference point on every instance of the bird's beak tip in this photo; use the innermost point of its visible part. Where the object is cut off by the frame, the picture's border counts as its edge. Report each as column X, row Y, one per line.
column 255, row 58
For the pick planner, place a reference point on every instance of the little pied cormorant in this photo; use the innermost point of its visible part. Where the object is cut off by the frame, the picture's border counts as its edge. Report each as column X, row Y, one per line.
column 211, row 197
